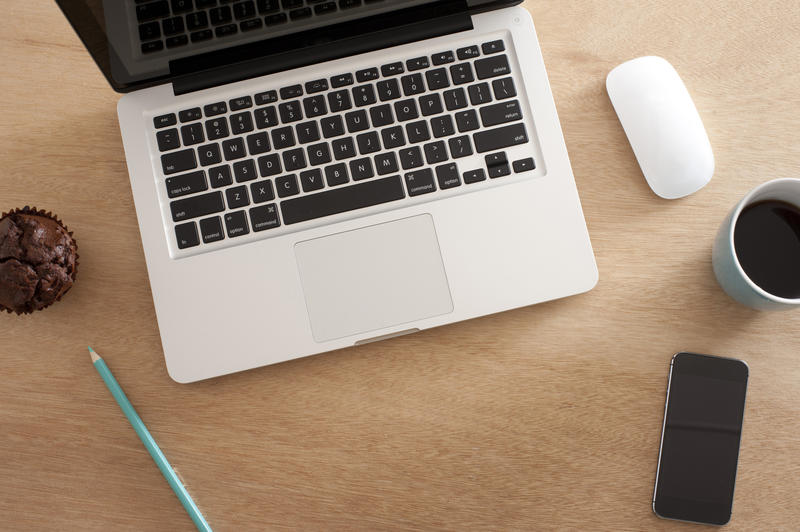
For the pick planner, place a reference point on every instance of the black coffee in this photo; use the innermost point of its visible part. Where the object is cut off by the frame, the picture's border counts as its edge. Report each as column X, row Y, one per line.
column 767, row 242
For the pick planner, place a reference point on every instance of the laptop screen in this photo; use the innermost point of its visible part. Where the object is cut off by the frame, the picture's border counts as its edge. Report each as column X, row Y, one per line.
column 139, row 43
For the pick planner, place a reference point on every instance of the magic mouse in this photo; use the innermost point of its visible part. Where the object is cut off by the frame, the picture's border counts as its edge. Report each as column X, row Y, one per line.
column 662, row 125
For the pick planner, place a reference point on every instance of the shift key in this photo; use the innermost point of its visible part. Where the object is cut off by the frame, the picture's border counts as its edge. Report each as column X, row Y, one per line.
column 189, row 208
column 500, row 113
column 500, row 137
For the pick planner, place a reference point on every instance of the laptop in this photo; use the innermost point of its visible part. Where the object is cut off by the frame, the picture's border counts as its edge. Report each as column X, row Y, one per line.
column 310, row 175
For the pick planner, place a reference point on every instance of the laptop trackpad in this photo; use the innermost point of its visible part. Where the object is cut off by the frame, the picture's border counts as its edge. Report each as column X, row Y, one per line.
column 375, row 277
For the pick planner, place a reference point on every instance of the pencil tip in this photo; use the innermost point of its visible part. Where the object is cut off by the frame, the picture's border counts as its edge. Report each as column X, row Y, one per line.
column 95, row 356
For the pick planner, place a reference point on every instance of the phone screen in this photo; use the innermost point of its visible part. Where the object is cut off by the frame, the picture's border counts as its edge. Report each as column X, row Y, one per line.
column 700, row 440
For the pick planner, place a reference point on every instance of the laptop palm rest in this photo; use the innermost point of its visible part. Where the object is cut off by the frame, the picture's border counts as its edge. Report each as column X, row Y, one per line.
column 374, row 277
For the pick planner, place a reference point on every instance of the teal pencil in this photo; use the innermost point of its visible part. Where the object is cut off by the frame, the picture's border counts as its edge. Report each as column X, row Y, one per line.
column 149, row 443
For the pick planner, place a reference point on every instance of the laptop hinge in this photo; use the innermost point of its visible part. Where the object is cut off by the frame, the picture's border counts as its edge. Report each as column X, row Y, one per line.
column 315, row 46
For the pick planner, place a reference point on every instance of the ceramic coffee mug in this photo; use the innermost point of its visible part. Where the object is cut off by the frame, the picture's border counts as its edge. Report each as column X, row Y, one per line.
column 730, row 274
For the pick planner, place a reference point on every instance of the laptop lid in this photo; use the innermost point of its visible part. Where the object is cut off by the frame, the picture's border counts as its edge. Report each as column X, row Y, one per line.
column 202, row 43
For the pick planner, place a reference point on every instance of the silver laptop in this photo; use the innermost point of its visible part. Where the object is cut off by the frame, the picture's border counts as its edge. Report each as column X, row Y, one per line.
column 311, row 175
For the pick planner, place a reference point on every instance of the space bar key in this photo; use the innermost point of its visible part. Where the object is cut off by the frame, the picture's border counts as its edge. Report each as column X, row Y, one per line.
column 343, row 199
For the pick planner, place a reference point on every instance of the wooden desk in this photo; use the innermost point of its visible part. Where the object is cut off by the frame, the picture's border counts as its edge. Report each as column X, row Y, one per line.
column 546, row 417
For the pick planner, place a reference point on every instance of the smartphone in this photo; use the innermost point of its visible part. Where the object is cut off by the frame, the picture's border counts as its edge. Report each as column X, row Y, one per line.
column 700, row 438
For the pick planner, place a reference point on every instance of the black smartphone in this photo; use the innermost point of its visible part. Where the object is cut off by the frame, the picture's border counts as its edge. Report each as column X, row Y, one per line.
column 700, row 438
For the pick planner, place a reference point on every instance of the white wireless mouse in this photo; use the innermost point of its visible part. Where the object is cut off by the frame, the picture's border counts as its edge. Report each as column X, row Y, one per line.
column 662, row 125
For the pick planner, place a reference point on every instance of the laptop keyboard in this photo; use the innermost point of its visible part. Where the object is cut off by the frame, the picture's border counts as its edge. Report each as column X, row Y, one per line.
column 174, row 23
column 329, row 146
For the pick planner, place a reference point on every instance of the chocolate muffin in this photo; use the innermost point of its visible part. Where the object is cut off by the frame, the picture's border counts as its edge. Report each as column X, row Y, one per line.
column 38, row 260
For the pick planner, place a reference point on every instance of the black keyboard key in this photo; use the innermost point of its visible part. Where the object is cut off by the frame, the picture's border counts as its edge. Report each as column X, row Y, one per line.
column 442, row 126
column 417, row 63
column 257, row 143
column 406, row 110
column 215, row 109
column 410, row 157
column 315, row 106
column 261, row 191
column 368, row 143
column 250, row 25
column 393, row 137
column 209, row 154
column 220, row 176
column 413, row 84
column 342, row 80
column 504, row 88
column 311, row 180
column 297, row 14
column 319, row 154
column 244, row 10
column 500, row 138
column 244, row 171
column 435, row 152
column 182, row 6
column 243, row 102
column 479, row 94
column 455, row 99
column 500, row 170
column 392, row 69
column 493, row 47
column 220, row 15
column 524, row 165
column 386, row 163
column 178, row 161
column 202, row 35
column 474, row 176
column 186, row 235
column 388, row 89
column 317, row 85
column 356, row 121
column 196, row 206
column 237, row 197
column 461, row 73
column 491, row 67
column 168, row 139
column 277, row 18
column 381, row 115
column 420, row 182
column 343, row 148
column 236, row 224
column 233, row 149
column 460, row 147
column 264, row 217
column 211, row 229
column 263, row 98
column 307, row 132
column 165, row 120
column 418, row 132
column 332, row 126
column 293, row 91
column 347, row 4
column 467, row 121
column 344, row 199
column 149, row 31
column 294, row 159
column 470, row 52
column 368, row 74
column 266, row 117
column 283, row 138
column 339, row 101
column 364, row 95
column 197, row 21
column 437, row 79
column 174, row 26
column 361, row 169
column 287, row 186
column 152, row 46
column 182, row 185
column 430, row 104
column 267, row 6
column 336, row 175
column 152, row 10
column 442, row 58
column 241, row 123
column 178, row 40
column 269, row 165
column 217, row 128
column 501, row 113
column 496, row 159
column 290, row 112
column 447, row 176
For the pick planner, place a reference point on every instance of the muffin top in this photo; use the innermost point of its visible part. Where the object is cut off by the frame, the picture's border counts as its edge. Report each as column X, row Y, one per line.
column 38, row 260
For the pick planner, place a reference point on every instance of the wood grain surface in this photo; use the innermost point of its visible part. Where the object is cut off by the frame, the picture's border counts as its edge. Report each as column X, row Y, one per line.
column 541, row 418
